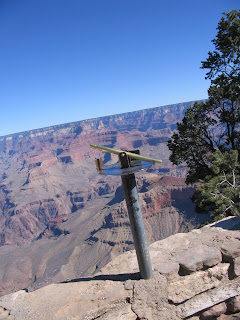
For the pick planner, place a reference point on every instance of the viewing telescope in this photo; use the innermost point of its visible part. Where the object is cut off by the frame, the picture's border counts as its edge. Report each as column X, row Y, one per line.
column 131, row 155
column 126, row 167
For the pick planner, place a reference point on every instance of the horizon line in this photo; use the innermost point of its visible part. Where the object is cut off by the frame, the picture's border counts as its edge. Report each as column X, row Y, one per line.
column 78, row 121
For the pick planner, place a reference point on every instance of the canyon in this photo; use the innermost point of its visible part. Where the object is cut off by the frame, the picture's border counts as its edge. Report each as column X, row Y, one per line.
column 60, row 219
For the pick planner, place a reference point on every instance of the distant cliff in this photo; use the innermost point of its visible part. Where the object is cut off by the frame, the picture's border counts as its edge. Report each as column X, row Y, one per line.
column 142, row 120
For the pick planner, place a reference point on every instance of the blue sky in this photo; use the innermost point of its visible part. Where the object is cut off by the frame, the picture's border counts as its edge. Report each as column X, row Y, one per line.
column 70, row 60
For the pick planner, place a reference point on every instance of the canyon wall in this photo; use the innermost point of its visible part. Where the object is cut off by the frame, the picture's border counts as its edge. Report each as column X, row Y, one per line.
column 49, row 172
column 59, row 219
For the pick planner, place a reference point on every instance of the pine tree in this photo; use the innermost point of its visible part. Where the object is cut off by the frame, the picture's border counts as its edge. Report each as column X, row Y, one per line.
column 220, row 193
column 213, row 125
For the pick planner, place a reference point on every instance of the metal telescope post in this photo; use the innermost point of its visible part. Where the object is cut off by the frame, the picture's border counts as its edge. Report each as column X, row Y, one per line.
column 131, row 162
column 136, row 222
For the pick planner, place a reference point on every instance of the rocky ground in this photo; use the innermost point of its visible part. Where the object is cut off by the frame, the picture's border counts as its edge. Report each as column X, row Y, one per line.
column 196, row 276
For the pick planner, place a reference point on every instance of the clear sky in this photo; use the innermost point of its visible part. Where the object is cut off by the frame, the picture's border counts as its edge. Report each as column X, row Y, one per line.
column 70, row 60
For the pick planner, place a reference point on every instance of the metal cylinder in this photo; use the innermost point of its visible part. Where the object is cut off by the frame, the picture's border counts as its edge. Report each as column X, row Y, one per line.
column 137, row 225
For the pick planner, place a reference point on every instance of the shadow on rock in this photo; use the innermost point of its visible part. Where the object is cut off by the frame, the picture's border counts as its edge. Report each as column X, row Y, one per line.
column 230, row 223
column 113, row 277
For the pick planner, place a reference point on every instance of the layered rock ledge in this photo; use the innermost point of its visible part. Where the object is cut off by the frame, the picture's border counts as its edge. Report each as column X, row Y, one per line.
column 196, row 276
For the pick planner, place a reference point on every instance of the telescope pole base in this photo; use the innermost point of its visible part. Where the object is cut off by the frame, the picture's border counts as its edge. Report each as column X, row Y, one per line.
column 137, row 225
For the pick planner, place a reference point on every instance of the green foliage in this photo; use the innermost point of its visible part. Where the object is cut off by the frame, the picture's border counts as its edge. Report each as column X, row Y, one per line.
column 194, row 141
column 219, row 193
column 224, row 62
column 213, row 124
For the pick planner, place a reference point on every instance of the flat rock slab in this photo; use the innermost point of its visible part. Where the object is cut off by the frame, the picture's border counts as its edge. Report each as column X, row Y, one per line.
column 231, row 249
column 191, row 285
column 208, row 299
column 62, row 301
column 198, row 257
column 174, row 243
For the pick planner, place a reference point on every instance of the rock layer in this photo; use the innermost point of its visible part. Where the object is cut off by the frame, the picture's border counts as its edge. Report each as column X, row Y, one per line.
column 50, row 172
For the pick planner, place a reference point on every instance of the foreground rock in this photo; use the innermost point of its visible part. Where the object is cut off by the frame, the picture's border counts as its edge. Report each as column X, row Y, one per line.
column 209, row 290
